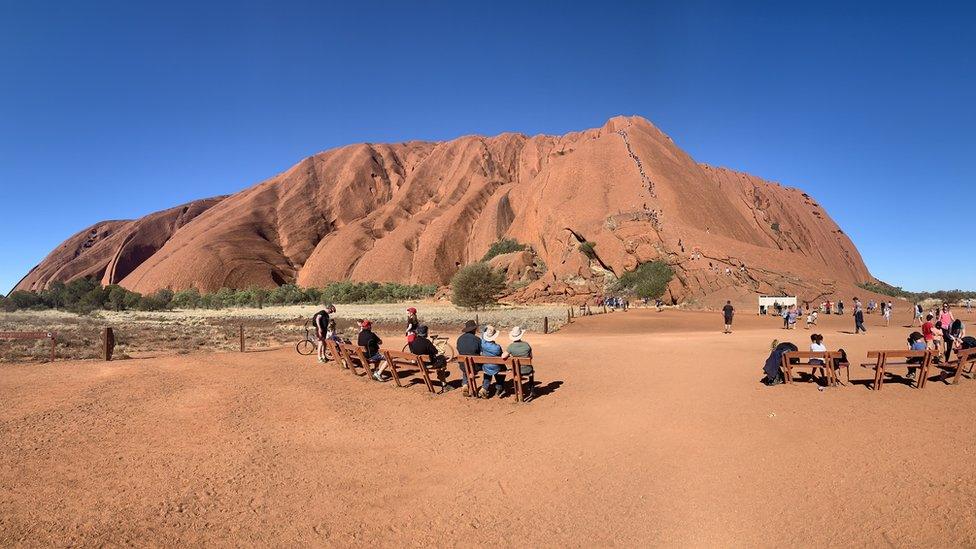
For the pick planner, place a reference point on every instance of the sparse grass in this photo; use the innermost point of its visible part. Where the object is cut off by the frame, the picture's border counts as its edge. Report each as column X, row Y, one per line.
column 143, row 333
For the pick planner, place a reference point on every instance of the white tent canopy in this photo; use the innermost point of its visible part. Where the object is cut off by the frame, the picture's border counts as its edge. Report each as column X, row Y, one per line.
column 770, row 301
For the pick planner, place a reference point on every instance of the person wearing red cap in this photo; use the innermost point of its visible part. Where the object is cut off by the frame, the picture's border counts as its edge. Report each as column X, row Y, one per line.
column 412, row 324
column 371, row 343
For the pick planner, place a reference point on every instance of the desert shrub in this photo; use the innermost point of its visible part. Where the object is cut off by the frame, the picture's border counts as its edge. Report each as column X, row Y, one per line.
column 186, row 299
column 648, row 280
column 775, row 226
column 588, row 248
column 503, row 246
column 476, row 286
column 21, row 299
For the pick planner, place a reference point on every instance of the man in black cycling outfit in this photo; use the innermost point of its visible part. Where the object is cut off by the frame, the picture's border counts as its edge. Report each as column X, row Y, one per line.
column 321, row 322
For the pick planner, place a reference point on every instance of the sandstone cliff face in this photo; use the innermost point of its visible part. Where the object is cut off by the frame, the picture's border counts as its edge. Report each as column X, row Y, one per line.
column 412, row 212
column 110, row 250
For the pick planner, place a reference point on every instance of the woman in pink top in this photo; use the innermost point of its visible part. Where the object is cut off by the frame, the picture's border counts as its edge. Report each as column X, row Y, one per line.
column 946, row 317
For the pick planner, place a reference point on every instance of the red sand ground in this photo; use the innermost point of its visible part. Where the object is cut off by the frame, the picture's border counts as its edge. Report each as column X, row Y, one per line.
column 654, row 430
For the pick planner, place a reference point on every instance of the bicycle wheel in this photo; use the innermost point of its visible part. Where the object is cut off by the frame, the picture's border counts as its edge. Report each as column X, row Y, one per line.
column 305, row 347
column 446, row 349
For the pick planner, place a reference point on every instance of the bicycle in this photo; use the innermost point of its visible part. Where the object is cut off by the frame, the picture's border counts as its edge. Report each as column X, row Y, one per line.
column 310, row 344
column 443, row 345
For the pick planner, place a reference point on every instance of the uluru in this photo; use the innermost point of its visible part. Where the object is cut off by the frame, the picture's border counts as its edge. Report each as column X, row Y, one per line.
column 414, row 212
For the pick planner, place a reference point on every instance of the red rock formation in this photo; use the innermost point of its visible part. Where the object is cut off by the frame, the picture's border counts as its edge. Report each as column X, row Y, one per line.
column 411, row 212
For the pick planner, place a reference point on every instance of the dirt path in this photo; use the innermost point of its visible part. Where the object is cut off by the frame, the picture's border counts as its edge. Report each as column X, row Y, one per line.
column 653, row 430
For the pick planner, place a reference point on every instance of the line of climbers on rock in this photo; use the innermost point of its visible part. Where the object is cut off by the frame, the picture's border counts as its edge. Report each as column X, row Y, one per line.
column 640, row 166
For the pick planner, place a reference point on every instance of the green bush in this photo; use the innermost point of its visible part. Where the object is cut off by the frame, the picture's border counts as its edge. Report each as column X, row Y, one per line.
column 86, row 295
column 503, row 246
column 476, row 286
column 648, row 280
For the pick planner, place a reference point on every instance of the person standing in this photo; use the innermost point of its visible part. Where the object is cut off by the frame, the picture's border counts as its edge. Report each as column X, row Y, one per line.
column 917, row 315
column 321, row 322
column 858, row 317
column 887, row 312
column 728, row 311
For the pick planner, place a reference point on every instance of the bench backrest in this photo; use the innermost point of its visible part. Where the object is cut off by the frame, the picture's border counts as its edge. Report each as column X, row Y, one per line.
column 899, row 354
column 478, row 359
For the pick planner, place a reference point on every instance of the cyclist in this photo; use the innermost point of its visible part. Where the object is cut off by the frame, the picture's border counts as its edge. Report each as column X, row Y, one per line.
column 320, row 321
column 412, row 324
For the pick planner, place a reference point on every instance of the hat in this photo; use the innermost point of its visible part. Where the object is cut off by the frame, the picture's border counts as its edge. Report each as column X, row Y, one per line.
column 422, row 330
column 470, row 326
column 412, row 310
column 366, row 324
column 516, row 333
column 330, row 307
column 490, row 334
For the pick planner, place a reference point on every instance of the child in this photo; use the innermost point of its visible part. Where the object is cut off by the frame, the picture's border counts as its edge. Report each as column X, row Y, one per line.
column 811, row 319
column 928, row 331
column 412, row 324
column 916, row 342
column 817, row 346
column 887, row 314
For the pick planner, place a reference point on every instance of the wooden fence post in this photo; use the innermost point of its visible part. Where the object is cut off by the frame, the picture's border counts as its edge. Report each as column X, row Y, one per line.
column 54, row 344
column 545, row 324
column 477, row 320
column 604, row 309
column 242, row 338
column 108, row 343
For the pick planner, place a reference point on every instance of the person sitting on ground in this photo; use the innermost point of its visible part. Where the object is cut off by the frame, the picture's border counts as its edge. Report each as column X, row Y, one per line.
column 916, row 342
column 370, row 342
column 412, row 323
column 491, row 371
column 468, row 344
column 424, row 347
column 521, row 349
column 773, row 365
column 320, row 321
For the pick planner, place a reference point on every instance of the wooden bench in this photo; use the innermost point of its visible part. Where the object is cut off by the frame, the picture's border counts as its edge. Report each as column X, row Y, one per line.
column 830, row 362
column 33, row 335
column 964, row 358
column 421, row 362
column 333, row 348
column 921, row 360
column 354, row 354
column 469, row 363
column 517, row 363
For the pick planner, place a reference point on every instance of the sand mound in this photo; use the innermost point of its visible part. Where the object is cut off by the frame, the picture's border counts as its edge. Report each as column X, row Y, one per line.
column 413, row 212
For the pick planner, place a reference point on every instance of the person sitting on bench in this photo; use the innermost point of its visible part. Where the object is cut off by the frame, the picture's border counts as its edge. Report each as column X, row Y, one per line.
column 521, row 349
column 371, row 343
column 423, row 346
column 916, row 342
column 491, row 371
column 468, row 344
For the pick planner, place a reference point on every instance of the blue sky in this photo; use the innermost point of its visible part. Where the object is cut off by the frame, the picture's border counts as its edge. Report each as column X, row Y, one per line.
column 111, row 110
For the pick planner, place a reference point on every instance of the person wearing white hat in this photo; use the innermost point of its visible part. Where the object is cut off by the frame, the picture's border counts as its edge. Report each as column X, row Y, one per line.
column 521, row 349
column 491, row 371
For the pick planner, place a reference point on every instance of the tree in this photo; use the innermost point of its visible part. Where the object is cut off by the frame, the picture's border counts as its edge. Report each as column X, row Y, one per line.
column 648, row 280
column 476, row 286
column 503, row 246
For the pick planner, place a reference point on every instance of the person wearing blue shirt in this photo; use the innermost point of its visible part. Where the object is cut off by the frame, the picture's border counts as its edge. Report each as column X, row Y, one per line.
column 491, row 371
